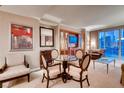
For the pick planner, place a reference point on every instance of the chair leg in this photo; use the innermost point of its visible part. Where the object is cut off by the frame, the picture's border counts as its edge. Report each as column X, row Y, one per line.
column 0, row 84
column 87, row 80
column 60, row 68
column 43, row 77
column 68, row 68
column 48, row 82
column 28, row 77
column 81, row 83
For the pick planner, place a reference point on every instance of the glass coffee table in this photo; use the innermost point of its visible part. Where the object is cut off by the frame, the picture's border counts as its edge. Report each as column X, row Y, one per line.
column 104, row 60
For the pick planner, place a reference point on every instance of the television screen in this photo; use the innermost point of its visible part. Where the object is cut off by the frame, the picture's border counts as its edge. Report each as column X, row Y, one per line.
column 73, row 39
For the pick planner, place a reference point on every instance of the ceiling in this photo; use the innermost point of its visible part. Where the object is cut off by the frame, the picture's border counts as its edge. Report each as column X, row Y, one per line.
column 78, row 16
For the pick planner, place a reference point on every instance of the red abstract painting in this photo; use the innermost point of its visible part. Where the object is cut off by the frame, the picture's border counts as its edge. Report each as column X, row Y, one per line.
column 21, row 37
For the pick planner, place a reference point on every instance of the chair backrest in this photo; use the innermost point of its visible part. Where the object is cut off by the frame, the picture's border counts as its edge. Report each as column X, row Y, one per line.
column 44, row 61
column 85, row 62
column 79, row 54
column 54, row 53
column 15, row 59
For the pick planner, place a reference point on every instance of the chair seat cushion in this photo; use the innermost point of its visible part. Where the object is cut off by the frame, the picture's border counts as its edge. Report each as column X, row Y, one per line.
column 75, row 72
column 76, row 63
column 53, row 71
column 14, row 71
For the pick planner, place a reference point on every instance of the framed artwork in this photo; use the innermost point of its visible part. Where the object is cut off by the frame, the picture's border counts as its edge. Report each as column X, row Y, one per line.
column 21, row 37
column 46, row 37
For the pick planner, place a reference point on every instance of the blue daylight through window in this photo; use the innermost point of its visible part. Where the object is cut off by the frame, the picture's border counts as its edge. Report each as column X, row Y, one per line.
column 113, row 42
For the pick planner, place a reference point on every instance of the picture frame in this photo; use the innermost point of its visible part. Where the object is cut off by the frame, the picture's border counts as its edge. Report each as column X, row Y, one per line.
column 21, row 37
column 46, row 37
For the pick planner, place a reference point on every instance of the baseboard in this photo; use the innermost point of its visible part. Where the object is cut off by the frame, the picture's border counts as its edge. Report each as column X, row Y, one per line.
column 35, row 69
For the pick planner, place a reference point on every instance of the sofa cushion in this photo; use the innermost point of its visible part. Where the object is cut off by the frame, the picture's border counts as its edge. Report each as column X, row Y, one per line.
column 14, row 71
column 15, row 59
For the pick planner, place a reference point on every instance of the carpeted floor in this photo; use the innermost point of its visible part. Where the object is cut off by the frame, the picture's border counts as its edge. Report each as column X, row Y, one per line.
column 98, row 79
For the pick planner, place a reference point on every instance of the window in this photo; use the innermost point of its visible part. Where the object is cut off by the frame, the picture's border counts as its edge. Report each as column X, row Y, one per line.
column 112, row 40
column 122, row 43
column 112, row 43
column 101, row 40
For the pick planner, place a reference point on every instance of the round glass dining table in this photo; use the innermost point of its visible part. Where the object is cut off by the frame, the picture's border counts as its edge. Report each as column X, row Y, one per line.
column 65, row 59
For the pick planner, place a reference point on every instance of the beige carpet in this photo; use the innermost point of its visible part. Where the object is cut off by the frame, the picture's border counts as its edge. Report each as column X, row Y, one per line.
column 98, row 79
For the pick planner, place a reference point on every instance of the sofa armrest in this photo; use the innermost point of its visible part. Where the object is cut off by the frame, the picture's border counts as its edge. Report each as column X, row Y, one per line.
column 2, row 68
column 26, row 64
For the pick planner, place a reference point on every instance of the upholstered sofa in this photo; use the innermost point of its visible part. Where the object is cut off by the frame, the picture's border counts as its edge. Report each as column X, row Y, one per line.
column 15, row 67
column 96, row 53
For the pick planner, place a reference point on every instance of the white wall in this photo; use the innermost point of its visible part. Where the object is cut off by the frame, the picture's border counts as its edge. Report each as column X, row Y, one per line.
column 5, row 37
column 87, row 38
column 33, row 57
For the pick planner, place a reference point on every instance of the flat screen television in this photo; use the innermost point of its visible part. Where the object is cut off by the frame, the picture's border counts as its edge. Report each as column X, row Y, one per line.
column 73, row 41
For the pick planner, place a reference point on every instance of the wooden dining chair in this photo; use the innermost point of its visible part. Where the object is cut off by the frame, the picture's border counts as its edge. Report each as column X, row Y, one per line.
column 80, row 73
column 54, row 54
column 49, row 72
column 79, row 55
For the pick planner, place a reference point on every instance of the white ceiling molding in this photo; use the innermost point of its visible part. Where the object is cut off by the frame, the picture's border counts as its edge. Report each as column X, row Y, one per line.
column 48, row 23
column 94, row 27
column 51, row 18
column 68, row 27
column 45, row 22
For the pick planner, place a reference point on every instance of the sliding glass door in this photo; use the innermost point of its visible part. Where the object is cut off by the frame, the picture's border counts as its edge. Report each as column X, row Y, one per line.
column 101, row 40
column 122, row 44
column 112, row 43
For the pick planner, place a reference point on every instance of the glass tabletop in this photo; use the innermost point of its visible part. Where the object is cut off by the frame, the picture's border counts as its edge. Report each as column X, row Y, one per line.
column 106, row 60
column 66, row 58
